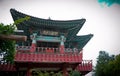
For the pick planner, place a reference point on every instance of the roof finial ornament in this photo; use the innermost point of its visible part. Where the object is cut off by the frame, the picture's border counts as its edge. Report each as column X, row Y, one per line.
column 49, row 18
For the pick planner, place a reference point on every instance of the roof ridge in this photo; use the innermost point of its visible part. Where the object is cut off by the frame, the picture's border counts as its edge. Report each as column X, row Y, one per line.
column 75, row 20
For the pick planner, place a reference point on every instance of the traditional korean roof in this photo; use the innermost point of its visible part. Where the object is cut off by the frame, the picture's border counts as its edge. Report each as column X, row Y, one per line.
column 81, row 41
column 47, row 23
column 72, row 27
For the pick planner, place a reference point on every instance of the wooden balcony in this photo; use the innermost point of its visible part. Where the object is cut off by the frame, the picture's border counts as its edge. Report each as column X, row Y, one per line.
column 43, row 54
column 26, row 49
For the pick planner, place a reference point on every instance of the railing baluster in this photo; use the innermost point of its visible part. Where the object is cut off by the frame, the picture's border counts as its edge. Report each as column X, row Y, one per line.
column 26, row 49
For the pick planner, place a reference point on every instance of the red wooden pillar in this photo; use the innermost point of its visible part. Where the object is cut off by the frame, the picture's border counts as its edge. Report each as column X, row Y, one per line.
column 65, row 73
column 28, row 72
column 62, row 48
column 33, row 46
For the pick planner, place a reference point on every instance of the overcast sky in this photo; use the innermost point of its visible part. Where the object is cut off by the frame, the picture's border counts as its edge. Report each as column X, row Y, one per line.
column 102, row 21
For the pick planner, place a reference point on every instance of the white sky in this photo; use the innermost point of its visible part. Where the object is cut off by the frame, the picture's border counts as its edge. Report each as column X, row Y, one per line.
column 103, row 22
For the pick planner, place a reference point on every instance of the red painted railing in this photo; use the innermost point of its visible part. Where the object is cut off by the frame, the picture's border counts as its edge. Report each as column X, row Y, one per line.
column 47, row 55
column 26, row 49
column 86, row 65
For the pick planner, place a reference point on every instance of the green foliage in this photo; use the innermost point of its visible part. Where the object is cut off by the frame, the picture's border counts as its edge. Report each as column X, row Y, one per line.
column 7, row 50
column 109, row 2
column 107, row 65
column 45, row 73
column 21, row 20
column 114, row 67
column 58, row 74
column 7, row 47
column 7, row 29
column 102, row 61
column 75, row 73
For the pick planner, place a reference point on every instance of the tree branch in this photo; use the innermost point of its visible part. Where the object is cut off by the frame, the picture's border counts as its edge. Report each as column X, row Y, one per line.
column 13, row 37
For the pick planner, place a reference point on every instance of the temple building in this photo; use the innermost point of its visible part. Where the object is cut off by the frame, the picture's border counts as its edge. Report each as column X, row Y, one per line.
column 52, row 45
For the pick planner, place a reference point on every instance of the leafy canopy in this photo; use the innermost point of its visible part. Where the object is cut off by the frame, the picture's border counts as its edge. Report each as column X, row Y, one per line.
column 107, row 65
column 7, row 47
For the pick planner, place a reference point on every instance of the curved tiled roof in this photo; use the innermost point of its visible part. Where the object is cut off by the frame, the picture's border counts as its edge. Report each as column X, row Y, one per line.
column 72, row 27
column 47, row 23
column 80, row 40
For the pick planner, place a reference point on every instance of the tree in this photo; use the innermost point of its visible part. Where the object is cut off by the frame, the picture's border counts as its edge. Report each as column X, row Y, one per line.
column 107, row 65
column 7, row 46
column 102, row 62
column 113, row 67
